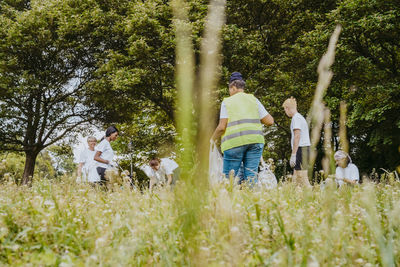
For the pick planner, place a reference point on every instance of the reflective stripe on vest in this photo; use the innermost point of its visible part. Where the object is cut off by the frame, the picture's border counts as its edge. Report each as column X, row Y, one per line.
column 244, row 126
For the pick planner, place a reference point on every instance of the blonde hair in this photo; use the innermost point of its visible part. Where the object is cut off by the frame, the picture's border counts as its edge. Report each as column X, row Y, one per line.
column 290, row 103
column 91, row 138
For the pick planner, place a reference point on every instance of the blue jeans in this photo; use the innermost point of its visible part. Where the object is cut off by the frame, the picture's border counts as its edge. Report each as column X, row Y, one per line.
column 248, row 154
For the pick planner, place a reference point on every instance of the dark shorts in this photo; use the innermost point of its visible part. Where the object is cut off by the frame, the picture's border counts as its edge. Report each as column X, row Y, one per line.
column 302, row 158
column 102, row 173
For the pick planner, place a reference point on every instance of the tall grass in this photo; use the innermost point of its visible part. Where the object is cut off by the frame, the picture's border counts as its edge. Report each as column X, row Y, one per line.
column 194, row 114
column 54, row 223
column 344, row 143
column 317, row 110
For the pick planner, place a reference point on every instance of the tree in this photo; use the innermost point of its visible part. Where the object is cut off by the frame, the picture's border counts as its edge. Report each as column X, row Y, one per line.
column 48, row 53
column 138, row 72
column 365, row 76
column 63, row 159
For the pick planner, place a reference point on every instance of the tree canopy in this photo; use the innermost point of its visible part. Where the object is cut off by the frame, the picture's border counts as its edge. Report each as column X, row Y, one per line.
column 63, row 63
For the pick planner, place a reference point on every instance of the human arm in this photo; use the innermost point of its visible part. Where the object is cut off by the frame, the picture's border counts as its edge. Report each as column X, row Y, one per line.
column 80, row 166
column 97, row 158
column 151, row 184
column 220, row 130
column 349, row 175
column 267, row 120
column 296, row 140
column 169, row 181
column 348, row 181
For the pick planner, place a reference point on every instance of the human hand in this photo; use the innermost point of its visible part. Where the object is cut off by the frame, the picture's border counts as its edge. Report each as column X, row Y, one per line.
column 292, row 161
column 112, row 164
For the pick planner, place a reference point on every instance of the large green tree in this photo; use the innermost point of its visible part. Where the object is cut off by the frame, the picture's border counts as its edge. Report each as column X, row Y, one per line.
column 48, row 53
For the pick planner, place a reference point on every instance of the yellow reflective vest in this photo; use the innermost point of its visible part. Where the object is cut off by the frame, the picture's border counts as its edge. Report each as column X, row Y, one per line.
column 244, row 126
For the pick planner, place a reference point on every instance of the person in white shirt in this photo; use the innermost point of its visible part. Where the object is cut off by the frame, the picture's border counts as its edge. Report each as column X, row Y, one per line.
column 104, row 153
column 346, row 172
column 300, row 137
column 164, row 170
column 87, row 166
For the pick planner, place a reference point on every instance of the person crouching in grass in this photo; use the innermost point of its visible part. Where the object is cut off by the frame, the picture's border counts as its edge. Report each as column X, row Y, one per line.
column 164, row 171
column 346, row 171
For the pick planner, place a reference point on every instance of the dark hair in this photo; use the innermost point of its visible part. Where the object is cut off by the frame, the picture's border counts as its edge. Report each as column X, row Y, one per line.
column 239, row 84
column 154, row 162
column 110, row 130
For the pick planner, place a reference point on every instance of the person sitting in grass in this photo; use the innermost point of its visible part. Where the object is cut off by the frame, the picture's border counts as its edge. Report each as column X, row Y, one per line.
column 346, row 171
column 164, row 170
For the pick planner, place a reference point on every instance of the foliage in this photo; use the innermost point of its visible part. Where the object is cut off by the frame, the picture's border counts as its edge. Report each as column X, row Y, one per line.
column 63, row 158
column 47, row 56
column 114, row 61
column 365, row 76
column 55, row 223
column 12, row 166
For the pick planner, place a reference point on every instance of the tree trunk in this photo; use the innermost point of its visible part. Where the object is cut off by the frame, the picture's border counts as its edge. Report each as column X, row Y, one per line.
column 30, row 160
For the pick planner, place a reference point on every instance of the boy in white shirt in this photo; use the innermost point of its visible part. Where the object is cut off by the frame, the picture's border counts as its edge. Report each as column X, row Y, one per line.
column 300, row 137
column 346, row 172
column 163, row 170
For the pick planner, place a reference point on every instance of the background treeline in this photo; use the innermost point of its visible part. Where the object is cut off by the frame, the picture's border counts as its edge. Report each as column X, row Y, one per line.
column 66, row 63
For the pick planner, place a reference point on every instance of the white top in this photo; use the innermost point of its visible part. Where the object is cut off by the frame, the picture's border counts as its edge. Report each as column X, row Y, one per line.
column 89, row 172
column 350, row 172
column 167, row 167
column 262, row 112
column 299, row 122
column 107, row 153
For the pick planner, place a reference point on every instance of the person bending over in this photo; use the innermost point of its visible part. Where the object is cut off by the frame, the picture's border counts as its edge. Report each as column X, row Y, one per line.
column 164, row 170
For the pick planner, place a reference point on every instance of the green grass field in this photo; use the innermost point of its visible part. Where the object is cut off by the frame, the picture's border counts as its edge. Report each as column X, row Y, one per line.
column 63, row 223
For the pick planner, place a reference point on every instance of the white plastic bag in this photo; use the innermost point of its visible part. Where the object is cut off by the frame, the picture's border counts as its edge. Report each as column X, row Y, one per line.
column 215, row 164
column 266, row 178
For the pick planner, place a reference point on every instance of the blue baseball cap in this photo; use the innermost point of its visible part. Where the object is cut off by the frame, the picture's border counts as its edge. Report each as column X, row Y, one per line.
column 235, row 76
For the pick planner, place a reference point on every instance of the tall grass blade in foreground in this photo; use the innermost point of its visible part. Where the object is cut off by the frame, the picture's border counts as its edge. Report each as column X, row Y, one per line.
column 327, row 161
column 185, row 81
column 209, row 76
column 194, row 118
column 325, row 75
column 344, row 143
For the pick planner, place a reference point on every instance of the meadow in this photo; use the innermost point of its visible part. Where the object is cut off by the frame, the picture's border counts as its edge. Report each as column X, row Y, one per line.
column 48, row 221
column 61, row 223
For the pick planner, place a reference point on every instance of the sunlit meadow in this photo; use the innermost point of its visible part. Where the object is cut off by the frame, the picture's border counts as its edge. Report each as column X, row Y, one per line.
column 62, row 223
column 54, row 223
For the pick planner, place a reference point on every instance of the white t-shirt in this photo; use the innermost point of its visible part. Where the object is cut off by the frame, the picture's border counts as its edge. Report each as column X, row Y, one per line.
column 262, row 112
column 107, row 153
column 89, row 172
column 147, row 170
column 299, row 122
column 350, row 172
column 167, row 167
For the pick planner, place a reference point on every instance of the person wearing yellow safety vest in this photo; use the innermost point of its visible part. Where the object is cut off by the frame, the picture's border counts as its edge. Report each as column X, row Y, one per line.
column 240, row 129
